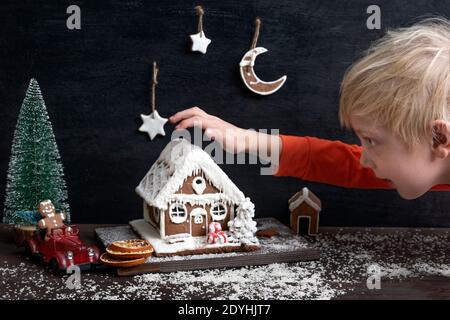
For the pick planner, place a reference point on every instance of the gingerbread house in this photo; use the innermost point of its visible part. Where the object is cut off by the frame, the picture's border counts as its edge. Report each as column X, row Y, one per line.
column 305, row 209
column 183, row 193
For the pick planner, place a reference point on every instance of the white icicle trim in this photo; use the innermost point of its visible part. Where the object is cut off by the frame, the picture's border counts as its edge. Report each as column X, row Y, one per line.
column 177, row 162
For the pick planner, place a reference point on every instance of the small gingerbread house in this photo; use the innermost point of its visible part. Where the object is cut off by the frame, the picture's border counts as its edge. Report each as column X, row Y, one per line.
column 305, row 208
column 185, row 190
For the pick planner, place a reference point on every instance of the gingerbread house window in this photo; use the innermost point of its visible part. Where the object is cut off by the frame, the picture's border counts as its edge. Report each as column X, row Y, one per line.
column 218, row 211
column 199, row 185
column 177, row 213
column 198, row 219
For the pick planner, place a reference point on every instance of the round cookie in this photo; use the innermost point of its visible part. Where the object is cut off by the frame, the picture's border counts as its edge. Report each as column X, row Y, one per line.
column 111, row 261
column 130, row 249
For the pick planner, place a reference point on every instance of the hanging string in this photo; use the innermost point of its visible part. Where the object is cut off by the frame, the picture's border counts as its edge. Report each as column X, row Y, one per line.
column 200, row 13
column 256, row 35
column 154, row 83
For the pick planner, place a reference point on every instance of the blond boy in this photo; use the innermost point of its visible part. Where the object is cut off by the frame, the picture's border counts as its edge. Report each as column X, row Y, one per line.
column 395, row 98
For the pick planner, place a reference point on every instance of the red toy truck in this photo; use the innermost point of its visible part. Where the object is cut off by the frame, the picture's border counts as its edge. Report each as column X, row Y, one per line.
column 62, row 250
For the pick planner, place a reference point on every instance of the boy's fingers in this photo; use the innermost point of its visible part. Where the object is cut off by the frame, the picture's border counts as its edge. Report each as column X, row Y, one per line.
column 187, row 113
column 213, row 134
column 192, row 121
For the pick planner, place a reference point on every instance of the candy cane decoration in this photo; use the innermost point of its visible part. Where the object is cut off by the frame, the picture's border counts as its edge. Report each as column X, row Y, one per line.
column 216, row 235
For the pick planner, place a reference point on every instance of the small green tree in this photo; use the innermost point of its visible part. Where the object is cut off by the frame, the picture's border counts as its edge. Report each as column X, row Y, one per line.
column 35, row 172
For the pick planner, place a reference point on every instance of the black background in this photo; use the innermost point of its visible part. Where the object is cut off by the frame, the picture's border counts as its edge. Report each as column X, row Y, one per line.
column 95, row 82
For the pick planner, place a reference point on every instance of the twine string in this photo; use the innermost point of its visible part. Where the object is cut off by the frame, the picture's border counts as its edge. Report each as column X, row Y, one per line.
column 200, row 13
column 154, row 83
column 256, row 35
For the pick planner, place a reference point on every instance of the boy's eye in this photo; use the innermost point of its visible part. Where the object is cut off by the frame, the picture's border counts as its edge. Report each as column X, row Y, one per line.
column 369, row 141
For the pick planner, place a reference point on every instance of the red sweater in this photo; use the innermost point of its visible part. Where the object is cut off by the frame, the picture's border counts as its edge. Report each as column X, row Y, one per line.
column 330, row 162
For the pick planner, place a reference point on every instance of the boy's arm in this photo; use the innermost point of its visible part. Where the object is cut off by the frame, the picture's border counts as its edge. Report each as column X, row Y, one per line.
column 325, row 161
column 331, row 162
column 311, row 159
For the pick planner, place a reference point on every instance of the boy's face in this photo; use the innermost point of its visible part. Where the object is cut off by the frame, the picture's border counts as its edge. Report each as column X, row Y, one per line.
column 411, row 171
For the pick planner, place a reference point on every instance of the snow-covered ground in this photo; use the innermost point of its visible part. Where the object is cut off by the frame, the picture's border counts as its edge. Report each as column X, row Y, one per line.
column 345, row 261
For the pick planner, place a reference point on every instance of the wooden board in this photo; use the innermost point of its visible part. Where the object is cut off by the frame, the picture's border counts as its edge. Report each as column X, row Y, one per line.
column 285, row 247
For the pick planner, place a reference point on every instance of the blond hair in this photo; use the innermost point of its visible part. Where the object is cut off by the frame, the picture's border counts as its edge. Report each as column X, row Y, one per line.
column 402, row 82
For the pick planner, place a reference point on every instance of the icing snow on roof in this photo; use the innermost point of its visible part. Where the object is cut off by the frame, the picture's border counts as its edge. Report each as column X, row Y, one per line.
column 179, row 160
column 304, row 196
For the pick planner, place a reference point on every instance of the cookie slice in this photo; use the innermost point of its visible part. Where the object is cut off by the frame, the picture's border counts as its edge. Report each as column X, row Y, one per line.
column 130, row 249
column 111, row 261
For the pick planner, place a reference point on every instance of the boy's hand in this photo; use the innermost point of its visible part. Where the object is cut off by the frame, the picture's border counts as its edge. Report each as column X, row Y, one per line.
column 230, row 137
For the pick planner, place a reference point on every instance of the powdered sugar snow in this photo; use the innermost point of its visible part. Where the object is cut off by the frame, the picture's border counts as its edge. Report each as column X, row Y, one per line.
column 344, row 263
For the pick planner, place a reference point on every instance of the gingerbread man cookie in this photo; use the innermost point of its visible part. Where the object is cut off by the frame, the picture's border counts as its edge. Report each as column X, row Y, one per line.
column 50, row 219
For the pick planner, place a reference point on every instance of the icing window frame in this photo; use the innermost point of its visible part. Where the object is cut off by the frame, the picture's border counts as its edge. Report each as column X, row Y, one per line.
column 198, row 184
column 215, row 208
column 202, row 180
column 198, row 219
column 175, row 216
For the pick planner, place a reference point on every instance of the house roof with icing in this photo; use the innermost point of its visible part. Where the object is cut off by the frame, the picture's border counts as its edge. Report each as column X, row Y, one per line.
column 179, row 160
column 305, row 195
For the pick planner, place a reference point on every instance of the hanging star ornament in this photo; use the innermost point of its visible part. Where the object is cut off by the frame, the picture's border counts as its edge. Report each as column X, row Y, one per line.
column 200, row 42
column 153, row 124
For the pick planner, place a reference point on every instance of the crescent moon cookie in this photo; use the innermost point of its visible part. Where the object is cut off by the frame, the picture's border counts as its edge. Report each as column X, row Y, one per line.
column 250, row 78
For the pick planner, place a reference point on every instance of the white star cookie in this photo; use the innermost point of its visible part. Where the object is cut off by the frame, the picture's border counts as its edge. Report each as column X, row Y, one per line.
column 153, row 124
column 200, row 42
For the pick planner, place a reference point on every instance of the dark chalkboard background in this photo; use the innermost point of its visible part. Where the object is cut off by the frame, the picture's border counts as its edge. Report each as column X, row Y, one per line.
column 95, row 83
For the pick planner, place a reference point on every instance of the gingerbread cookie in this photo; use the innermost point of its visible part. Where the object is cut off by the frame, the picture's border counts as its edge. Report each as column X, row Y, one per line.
column 50, row 219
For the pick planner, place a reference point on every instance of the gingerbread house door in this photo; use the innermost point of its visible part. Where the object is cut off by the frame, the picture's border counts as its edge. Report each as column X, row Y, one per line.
column 199, row 222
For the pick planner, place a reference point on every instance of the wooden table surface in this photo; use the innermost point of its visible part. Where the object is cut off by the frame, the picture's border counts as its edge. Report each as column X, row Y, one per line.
column 415, row 264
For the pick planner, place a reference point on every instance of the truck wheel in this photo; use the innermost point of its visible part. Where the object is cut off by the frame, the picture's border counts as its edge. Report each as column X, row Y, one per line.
column 28, row 250
column 54, row 265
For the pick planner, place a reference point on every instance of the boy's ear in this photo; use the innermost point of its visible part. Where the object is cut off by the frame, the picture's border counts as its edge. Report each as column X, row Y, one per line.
column 441, row 138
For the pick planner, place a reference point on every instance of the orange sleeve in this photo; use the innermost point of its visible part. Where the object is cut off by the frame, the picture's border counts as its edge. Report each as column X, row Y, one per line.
column 325, row 161
column 330, row 162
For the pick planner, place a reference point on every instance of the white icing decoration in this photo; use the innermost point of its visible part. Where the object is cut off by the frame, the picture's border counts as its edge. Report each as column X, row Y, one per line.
column 303, row 198
column 198, row 219
column 243, row 227
column 199, row 185
column 268, row 86
column 180, row 160
column 173, row 244
column 177, row 162
column 200, row 216
column 153, row 124
column 198, row 212
column 162, row 225
column 200, row 42
column 178, row 213
column 218, row 211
